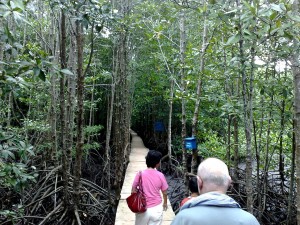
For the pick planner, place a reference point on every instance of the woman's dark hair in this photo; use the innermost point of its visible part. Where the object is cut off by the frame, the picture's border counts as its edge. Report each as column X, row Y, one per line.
column 193, row 186
column 153, row 157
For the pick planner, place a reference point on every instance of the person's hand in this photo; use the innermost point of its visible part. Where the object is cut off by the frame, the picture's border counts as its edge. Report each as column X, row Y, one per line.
column 165, row 207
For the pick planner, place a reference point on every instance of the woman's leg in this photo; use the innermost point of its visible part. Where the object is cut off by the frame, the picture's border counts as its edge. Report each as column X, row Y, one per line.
column 155, row 215
column 142, row 218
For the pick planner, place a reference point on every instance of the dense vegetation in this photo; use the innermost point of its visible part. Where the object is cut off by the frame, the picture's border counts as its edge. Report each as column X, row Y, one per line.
column 76, row 76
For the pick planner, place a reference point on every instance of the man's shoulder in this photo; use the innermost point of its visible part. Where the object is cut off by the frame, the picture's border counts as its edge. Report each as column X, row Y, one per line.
column 248, row 217
column 214, row 215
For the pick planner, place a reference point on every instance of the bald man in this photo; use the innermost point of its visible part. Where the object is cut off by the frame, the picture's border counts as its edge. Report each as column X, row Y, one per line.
column 213, row 206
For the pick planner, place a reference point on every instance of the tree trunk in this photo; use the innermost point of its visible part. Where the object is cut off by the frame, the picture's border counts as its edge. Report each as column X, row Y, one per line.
column 236, row 152
column 71, row 100
column 53, row 120
column 80, row 115
column 228, row 152
column 296, row 73
column 183, row 89
column 281, row 154
column 121, row 123
column 62, row 138
column 247, row 92
column 291, row 197
column 53, row 114
column 110, row 110
column 170, row 121
column 9, row 108
column 198, row 92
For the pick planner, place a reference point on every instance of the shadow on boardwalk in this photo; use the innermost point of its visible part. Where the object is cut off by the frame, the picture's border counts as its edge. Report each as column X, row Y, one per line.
column 136, row 163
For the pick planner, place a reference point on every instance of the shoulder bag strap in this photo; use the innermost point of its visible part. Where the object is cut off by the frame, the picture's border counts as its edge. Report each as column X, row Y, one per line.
column 140, row 182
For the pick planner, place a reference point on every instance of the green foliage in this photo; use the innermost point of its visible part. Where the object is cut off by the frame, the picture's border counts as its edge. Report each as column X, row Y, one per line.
column 177, row 144
column 12, row 215
column 12, row 8
column 14, row 155
column 212, row 146
column 92, row 130
column 15, row 176
column 91, row 133
column 91, row 146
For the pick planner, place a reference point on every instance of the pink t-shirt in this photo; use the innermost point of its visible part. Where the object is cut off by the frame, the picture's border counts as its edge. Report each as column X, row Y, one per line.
column 153, row 182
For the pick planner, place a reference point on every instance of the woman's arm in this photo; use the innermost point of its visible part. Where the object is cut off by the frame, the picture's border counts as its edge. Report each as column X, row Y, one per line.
column 165, row 205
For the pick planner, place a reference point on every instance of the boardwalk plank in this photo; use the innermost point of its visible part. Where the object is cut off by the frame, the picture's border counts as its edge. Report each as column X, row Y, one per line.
column 136, row 163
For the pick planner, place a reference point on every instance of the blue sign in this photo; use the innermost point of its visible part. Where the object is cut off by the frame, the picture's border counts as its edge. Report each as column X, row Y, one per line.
column 159, row 126
column 190, row 143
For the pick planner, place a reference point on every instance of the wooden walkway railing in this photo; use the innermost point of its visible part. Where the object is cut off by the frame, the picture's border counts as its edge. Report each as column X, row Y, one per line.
column 136, row 162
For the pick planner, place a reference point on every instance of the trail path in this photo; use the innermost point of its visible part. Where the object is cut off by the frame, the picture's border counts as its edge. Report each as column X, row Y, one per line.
column 136, row 162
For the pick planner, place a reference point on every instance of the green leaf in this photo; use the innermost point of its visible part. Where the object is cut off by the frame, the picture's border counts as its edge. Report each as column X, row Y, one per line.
column 8, row 33
column 5, row 154
column 22, row 143
column 16, row 170
column 273, row 15
column 278, row 23
column 251, row 8
column 293, row 17
column 276, row 7
column 232, row 11
column 3, row 63
column 36, row 71
column 5, row 138
column 17, row 4
column 29, row 150
column 284, row 93
column 11, row 79
column 6, row 14
column 67, row 72
column 288, row 35
column 233, row 39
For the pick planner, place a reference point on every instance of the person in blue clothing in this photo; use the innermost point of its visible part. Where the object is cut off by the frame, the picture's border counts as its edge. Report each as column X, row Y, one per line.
column 213, row 206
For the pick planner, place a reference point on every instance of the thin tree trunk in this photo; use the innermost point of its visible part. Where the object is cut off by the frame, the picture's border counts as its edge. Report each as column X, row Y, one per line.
column 80, row 114
column 236, row 152
column 63, row 62
column 183, row 89
column 281, row 155
column 121, row 127
column 248, row 117
column 10, row 108
column 1, row 48
column 93, row 87
column 110, row 110
column 172, row 84
column 296, row 73
column 70, row 103
column 170, row 121
column 53, row 117
column 291, row 198
column 228, row 152
column 198, row 92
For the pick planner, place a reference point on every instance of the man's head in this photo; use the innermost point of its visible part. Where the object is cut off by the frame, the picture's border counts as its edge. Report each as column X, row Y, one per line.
column 153, row 158
column 213, row 175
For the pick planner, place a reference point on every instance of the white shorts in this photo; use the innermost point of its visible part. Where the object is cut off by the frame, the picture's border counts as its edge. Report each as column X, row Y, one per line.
column 153, row 216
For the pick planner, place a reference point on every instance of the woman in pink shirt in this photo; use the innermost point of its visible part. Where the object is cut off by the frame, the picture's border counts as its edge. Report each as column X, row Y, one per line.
column 153, row 183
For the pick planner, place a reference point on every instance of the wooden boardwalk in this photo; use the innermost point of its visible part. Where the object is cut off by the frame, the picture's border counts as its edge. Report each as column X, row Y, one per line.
column 136, row 162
